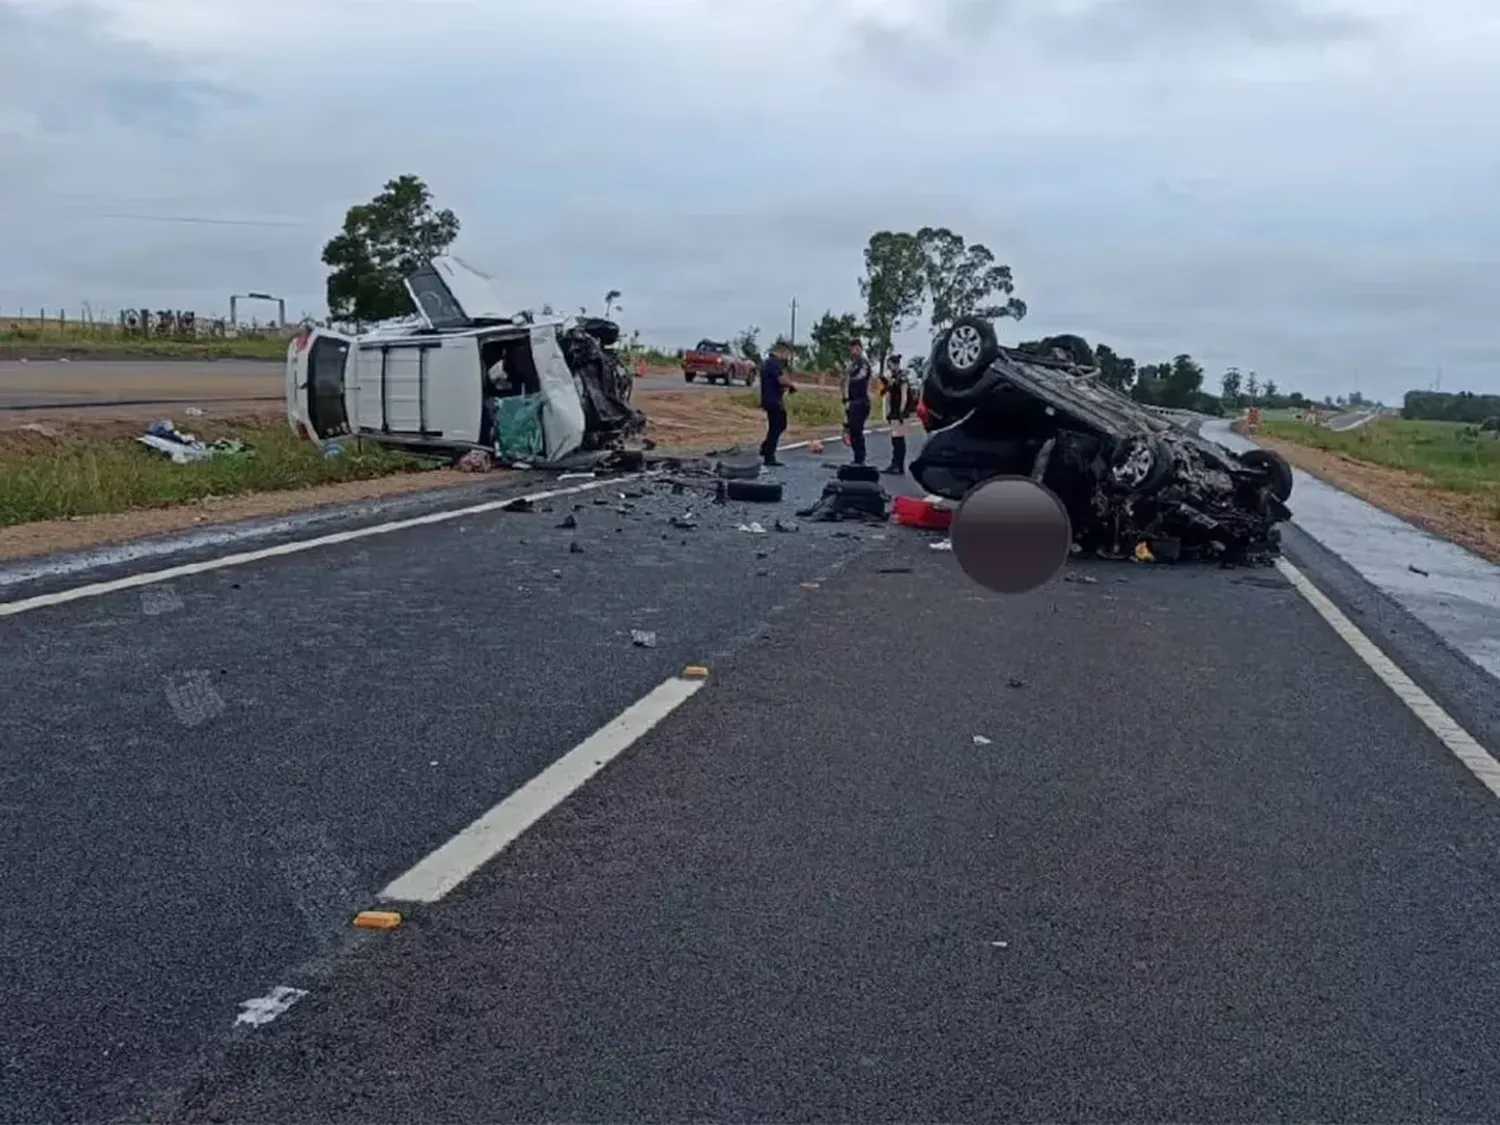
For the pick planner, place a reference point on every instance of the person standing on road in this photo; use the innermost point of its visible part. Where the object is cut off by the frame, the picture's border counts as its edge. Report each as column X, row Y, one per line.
column 898, row 404
column 857, row 399
column 773, row 391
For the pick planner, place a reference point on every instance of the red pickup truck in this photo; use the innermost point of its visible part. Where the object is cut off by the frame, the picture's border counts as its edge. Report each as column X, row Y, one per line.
column 715, row 363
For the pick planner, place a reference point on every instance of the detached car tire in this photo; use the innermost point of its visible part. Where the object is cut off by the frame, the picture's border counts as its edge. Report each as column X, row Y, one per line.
column 1276, row 468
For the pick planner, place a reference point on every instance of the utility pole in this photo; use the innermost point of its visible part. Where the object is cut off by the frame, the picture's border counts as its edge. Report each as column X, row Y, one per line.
column 793, row 336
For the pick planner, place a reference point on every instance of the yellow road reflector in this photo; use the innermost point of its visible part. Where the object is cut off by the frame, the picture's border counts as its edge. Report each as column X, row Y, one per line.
column 695, row 672
column 377, row 920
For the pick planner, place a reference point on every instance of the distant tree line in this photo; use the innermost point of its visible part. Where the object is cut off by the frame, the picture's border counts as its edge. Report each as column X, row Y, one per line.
column 1446, row 406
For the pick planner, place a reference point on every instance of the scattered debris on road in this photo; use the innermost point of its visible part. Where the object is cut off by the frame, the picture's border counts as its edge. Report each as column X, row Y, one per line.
column 642, row 638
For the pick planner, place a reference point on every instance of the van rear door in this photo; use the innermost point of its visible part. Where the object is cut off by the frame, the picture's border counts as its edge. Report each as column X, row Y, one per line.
column 320, row 399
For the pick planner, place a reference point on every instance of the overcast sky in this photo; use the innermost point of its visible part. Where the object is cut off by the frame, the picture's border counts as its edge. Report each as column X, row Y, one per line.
column 1304, row 189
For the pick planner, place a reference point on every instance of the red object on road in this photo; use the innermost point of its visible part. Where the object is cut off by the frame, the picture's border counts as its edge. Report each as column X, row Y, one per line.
column 913, row 511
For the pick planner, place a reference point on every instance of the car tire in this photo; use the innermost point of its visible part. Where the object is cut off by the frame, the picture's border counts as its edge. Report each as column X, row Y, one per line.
column 689, row 376
column 965, row 351
column 1276, row 468
column 754, row 491
column 1160, row 470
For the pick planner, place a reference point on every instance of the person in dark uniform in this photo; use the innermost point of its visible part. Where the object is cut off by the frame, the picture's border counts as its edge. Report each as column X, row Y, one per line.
column 857, row 399
column 773, row 391
column 898, row 407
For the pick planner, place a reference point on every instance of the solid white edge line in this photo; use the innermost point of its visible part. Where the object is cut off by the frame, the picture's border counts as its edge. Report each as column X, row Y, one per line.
column 444, row 869
column 1464, row 746
column 241, row 558
column 95, row 589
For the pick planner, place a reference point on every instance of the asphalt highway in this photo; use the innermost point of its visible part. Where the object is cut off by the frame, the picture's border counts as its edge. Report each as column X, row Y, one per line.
column 1147, row 844
column 53, row 384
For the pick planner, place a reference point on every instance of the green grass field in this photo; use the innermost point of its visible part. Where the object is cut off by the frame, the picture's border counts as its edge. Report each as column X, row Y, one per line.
column 81, row 475
column 1453, row 456
column 47, row 339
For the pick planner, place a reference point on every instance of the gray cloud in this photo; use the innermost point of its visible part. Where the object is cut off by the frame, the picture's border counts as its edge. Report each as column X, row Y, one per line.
column 1297, row 192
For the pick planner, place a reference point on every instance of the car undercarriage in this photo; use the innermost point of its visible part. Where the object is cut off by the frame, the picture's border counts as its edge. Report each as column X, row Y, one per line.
column 1135, row 483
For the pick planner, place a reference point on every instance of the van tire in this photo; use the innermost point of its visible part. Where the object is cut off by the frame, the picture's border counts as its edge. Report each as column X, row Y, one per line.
column 755, row 491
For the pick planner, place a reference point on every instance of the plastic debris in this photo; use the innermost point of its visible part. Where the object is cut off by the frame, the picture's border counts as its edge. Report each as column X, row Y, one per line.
column 752, row 528
column 980, row 740
column 942, row 545
column 642, row 638
column 332, row 451
column 787, row 526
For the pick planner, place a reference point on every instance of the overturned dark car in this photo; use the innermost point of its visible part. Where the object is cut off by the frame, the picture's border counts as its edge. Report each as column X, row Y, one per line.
column 1135, row 483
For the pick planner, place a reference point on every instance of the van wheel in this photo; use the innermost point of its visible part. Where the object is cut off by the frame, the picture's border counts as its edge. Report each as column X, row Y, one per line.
column 754, row 491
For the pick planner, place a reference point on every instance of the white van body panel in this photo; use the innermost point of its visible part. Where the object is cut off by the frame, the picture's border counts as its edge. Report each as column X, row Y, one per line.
column 423, row 388
column 562, row 410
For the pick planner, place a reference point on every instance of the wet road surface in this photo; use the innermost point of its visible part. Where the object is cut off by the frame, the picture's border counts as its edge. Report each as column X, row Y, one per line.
column 1147, row 844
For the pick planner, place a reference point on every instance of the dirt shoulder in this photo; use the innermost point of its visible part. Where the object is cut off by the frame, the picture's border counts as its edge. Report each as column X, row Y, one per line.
column 681, row 421
column 1464, row 518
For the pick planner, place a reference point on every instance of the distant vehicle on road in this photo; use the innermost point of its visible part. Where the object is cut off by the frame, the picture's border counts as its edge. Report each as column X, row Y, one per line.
column 713, row 360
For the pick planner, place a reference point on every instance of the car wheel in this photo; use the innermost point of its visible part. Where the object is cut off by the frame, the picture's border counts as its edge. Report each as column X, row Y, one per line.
column 1141, row 465
column 966, row 350
column 1275, row 466
column 689, row 376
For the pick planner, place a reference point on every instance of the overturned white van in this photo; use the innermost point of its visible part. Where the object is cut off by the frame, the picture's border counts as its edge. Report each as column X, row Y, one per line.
column 443, row 380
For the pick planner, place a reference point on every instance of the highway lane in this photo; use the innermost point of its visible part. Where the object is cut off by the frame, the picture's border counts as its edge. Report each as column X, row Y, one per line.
column 39, row 383
column 203, row 781
column 1204, row 866
column 1201, row 868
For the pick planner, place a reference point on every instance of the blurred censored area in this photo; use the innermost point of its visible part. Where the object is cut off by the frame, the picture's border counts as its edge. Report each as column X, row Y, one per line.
column 1011, row 535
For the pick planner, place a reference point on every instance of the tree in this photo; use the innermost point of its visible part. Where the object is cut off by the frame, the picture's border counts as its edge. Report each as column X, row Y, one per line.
column 1252, row 387
column 609, row 301
column 831, row 336
column 383, row 241
column 1117, row 371
column 1229, row 385
column 1184, row 382
column 893, row 286
column 747, row 343
column 1268, row 392
column 965, row 280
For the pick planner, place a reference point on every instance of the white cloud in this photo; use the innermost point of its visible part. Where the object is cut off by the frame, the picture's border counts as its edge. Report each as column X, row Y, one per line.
column 1298, row 188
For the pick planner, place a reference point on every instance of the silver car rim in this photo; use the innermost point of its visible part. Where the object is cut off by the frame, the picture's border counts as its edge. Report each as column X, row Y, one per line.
column 964, row 346
column 1136, row 467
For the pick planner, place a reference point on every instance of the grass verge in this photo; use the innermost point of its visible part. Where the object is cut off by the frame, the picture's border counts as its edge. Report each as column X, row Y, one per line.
column 803, row 408
column 93, row 471
column 1451, row 456
column 86, row 343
